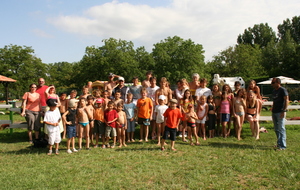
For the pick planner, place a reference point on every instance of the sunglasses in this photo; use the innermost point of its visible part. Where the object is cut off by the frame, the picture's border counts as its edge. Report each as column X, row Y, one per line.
column 272, row 82
column 33, row 87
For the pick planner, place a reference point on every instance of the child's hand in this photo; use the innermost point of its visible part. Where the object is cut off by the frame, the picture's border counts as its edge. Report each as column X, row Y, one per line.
column 55, row 124
column 131, row 119
column 69, row 122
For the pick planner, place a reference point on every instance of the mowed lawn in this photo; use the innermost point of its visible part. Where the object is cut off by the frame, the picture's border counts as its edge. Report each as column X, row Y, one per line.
column 217, row 163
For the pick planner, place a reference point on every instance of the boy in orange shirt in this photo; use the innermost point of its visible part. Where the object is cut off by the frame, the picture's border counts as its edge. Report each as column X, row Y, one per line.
column 145, row 111
column 99, row 122
column 172, row 118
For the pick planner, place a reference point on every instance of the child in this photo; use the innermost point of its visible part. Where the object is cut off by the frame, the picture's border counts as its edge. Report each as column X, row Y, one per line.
column 83, row 116
column 184, row 102
column 202, row 114
column 73, row 95
column 211, row 116
column 69, row 118
column 145, row 111
column 99, row 122
column 91, row 111
column 118, row 98
column 106, row 99
column 203, row 90
column 252, row 107
column 85, row 92
column 163, row 90
column 191, row 117
column 225, row 112
column 230, row 97
column 52, row 119
column 146, row 83
column 96, row 95
column 239, row 107
column 160, row 110
column 130, row 110
column 62, row 109
column 135, row 89
column 121, row 125
column 172, row 119
column 110, row 118
column 217, row 101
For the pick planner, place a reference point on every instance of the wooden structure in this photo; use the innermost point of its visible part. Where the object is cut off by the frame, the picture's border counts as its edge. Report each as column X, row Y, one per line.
column 5, row 81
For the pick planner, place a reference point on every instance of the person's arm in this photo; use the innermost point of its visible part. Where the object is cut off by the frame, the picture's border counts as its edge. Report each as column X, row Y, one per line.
column 125, row 119
column 286, row 103
column 24, row 107
column 156, row 97
column 47, row 92
column 233, row 108
column 151, row 107
column 64, row 118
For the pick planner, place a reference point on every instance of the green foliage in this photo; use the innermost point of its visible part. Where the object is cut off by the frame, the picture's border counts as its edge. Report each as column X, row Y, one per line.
column 176, row 58
column 292, row 27
column 294, row 93
column 21, row 64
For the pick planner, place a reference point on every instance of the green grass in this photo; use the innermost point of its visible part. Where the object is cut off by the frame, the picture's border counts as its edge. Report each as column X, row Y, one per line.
column 217, row 164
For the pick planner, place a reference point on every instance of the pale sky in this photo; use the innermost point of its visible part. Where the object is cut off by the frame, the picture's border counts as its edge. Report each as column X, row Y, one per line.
column 60, row 30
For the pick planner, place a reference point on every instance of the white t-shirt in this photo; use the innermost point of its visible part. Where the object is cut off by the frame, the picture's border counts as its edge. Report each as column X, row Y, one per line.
column 160, row 110
column 151, row 93
column 52, row 117
column 203, row 91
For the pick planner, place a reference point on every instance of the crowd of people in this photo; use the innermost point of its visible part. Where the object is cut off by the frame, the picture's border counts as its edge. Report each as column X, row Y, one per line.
column 111, row 112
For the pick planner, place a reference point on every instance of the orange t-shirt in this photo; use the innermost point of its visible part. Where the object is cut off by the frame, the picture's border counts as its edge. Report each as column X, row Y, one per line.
column 99, row 114
column 32, row 101
column 172, row 115
column 144, row 108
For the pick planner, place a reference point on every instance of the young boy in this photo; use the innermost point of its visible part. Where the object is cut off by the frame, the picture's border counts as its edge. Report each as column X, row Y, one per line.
column 83, row 121
column 172, row 119
column 159, row 111
column 118, row 98
column 145, row 111
column 85, row 92
column 121, row 125
column 191, row 118
column 52, row 119
column 130, row 110
column 69, row 118
column 99, row 122
column 63, row 108
column 91, row 112
column 106, row 99
column 110, row 118
column 135, row 89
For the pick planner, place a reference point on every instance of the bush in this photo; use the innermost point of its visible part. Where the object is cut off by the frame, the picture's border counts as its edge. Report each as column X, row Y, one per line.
column 294, row 93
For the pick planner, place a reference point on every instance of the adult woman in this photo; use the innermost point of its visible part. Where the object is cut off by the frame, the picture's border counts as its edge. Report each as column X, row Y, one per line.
column 31, row 110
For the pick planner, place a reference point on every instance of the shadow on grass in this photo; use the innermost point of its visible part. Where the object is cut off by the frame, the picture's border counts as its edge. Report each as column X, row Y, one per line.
column 237, row 146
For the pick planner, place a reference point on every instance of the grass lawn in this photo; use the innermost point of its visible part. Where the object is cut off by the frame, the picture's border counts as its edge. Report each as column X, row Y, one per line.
column 216, row 164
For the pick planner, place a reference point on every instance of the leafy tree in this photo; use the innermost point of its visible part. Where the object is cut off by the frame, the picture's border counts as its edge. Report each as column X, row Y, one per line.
column 292, row 27
column 176, row 58
column 260, row 34
column 20, row 63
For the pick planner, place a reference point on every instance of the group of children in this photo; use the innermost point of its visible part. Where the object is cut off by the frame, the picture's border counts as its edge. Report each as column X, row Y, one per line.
column 102, row 116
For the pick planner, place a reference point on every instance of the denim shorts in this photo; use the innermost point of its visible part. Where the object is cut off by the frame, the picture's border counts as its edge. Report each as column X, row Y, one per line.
column 71, row 131
column 225, row 117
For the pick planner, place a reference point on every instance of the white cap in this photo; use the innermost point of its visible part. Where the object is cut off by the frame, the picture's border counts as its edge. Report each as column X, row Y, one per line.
column 162, row 97
column 121, row 78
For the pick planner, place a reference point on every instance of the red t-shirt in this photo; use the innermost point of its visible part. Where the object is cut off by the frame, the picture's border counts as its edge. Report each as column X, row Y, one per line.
column 41, row 91
column 111, row 115
column 172, row 115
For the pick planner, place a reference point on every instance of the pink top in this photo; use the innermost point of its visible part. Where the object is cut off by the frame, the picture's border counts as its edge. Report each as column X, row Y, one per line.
column 41, row 91
column 225, row 107
column 32, row 101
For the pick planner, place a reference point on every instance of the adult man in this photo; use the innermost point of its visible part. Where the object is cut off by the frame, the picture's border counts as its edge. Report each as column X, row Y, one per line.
column 41, row 88
column 279, row 109
column 122, row 88
column 111, row 84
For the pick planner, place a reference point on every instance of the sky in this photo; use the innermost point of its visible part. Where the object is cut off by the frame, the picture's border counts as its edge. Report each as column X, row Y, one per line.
column 59, row 30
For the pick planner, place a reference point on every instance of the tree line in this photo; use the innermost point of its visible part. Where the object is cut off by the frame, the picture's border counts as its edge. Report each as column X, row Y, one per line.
column 259, row 53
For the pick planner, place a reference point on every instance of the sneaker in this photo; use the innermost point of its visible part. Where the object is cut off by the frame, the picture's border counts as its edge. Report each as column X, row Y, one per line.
column 69, row 151
column 74, row 150
column 180, row 134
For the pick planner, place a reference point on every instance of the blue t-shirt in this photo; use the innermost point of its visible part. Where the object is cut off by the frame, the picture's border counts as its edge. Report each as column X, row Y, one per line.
column 135, row 91
column 278, row 99
column 129, row 110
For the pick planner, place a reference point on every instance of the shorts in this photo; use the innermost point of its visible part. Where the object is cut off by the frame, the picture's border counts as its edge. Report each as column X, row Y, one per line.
column 130, row 126
column 110, row 131
column 141, row 121
column 240, row 113
column 99, row 127
column 33, row 119
column 191, row 125
column 71, row 131
column 54, row 137
column 172, row 132
column 121, row 125
column 201, row 121
column 225, row 117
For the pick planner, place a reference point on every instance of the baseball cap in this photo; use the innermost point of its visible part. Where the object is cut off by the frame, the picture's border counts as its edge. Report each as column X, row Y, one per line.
column 72, row 103
column 99, row 101
column 121, row 78
column 162, row 97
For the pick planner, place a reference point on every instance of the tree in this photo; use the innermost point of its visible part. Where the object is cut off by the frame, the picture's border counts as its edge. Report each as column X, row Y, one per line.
column 21, row 64
column 260, row 34
column 176, row 58
column 291, row 26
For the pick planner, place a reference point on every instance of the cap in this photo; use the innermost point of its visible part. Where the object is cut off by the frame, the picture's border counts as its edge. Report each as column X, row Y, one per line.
column 99, row 101
column 174, row 101
column 121, row 78
column 51, row 102
column 162, row 97
column 72, row 103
